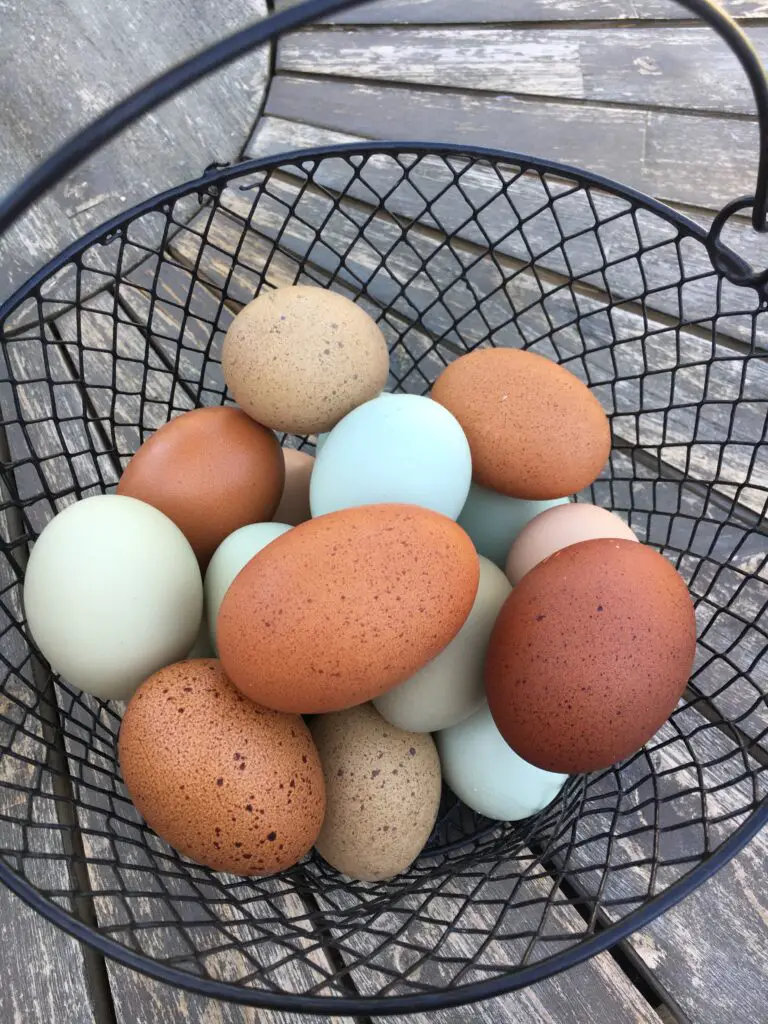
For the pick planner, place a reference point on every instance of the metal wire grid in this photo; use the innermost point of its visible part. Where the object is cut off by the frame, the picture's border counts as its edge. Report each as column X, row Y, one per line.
column 448, row 251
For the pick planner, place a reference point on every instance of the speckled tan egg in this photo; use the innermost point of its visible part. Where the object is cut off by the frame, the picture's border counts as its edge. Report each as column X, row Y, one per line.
column 227, row 783
column 344, row 607
column 300, row 358
column 383, row 787
column 590, row 655
column 294, row 504
column 534, row 430
column 211, row 471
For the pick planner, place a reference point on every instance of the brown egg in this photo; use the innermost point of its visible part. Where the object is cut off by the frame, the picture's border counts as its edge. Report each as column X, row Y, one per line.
column 227, row 783
column 344, row 607
column 590, row 655
column 294, row 504
column 534, row 430
column 383, row 787
column 299, row 359
column 211, row 471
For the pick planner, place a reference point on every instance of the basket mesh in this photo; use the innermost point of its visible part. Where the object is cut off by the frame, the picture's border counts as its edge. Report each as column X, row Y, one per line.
column 447, row 252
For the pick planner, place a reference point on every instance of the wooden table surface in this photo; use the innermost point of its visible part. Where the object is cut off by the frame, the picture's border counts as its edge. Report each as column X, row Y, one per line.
column 636, row 91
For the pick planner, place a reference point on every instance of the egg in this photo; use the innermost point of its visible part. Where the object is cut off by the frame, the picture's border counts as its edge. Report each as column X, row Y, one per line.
column 590, row 655
column 535, row 431
column 228, row 559
column 210, row 471
column 488, row 776
column 202, row 647
column 300, row 358
column 395, row 448
column 383, row 788
column 346, row 606
column 112, row 592
column 294, row 504
column 494, row 520
column 557, row 528
column 450, row 687
column 225, row 782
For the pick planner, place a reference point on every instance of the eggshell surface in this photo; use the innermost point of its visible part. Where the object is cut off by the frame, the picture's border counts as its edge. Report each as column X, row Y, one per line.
column 112, row 592
column 557, row 528
column 228, row 559
column 299, row 358
column 210, row 471
column 488, row 776
column 450, row 687
column 343, row 608
column 383, row 787
column 535, row 431
column 590, row 655
column 294, row 504
column 395, row 448
column 494, row 520
column 227, row 783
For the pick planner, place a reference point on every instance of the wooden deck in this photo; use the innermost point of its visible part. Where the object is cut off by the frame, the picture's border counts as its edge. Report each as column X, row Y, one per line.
column 633, row 90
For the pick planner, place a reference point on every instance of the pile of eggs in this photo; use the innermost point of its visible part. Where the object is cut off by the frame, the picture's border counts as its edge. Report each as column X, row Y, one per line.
column 424, row 590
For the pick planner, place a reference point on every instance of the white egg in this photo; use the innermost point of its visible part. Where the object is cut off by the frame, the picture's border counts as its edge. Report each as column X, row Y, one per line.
column 450, row 687
column 112, row 593
column 494, row 520
column 232, row 555
column 488, row 776
column 395, row 448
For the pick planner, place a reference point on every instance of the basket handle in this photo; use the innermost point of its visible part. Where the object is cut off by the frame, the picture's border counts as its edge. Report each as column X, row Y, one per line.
column 170, row 83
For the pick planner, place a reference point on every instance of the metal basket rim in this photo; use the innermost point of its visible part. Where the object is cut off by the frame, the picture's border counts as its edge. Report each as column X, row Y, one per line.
column 450, row 997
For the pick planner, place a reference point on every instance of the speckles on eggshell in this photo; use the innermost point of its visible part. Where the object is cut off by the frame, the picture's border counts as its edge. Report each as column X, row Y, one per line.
column 206, row 761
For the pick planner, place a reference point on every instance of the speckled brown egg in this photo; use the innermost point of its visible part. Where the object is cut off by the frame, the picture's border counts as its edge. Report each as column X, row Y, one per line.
column 534, row 430
column 227, row 783
column 294, row 504
column 211, row 471
column 344, row 607
column 300, row 358
column 383, row 787
column 590, row 654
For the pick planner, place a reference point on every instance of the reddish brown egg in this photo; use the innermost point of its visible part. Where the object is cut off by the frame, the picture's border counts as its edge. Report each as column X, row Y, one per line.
column 211, row 471
column 227, row 783
column 534, row 430
column 346, row 606
column 590, row 654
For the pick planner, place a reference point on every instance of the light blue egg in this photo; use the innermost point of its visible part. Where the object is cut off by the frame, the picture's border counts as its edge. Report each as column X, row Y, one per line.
column 493, row 520
column 488, row 776
column 395, row 448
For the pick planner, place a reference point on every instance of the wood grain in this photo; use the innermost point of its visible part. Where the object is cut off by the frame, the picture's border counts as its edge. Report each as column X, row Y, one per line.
column 447, row 12
column 694, row 160
column 58, row 72
column 685, row 68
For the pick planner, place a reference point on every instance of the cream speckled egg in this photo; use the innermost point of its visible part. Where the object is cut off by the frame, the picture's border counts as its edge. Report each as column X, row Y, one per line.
column 300, row 358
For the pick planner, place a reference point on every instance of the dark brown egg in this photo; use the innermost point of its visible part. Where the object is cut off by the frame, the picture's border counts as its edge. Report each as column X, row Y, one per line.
column 227, row 783
column 590, row 654
column 534, row 430
column 211, row 471
column 344, row 607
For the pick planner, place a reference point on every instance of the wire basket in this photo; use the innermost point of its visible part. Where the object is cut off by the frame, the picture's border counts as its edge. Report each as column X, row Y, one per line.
column 448, row 249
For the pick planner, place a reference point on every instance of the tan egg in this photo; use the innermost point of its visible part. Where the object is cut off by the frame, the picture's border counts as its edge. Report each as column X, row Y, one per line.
column 340, row 609
column 383, row 787
column 211, row 471
column 558, row 527
column 300, row 358
column 294, row 504
column 227, row 783
column 534, row 430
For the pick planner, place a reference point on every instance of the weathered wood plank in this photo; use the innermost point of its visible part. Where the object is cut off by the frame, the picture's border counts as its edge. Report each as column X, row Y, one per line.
column 447, row 12
column 686, row 68
column 694, row 160
column 58, row 73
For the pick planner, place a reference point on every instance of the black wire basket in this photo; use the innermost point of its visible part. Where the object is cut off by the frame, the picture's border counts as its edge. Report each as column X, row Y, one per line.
column 448, row 249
